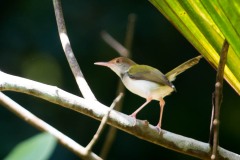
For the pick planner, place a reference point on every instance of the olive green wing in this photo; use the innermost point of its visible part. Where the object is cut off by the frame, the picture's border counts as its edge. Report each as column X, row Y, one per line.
column 144, row 72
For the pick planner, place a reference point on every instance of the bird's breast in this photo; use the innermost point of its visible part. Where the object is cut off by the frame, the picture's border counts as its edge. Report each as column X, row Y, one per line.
column 146, row 89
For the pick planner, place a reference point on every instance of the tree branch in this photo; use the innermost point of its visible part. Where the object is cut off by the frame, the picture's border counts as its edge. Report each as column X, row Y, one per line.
column 82, row 84
column 119, row 120
column 43, row 126
column 217, row 100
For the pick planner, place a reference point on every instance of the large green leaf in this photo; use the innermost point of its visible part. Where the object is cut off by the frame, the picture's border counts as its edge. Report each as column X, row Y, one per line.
column 38, row 147
column 206, row 23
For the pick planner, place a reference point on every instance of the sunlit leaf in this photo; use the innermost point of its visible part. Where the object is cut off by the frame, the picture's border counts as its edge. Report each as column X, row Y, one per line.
column 206, row 24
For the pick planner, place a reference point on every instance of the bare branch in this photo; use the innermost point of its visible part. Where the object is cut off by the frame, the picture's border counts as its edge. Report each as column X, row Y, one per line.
column 82, row 84
column 43, row 126
column 102, row 124
column 217, row 100
column 119, row 120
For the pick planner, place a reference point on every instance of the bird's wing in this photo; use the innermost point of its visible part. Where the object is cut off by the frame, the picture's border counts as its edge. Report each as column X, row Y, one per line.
column 144, row 72
column 171, row 76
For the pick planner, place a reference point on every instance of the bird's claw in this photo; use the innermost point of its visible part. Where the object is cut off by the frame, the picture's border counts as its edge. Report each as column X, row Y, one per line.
column 158, row 129
column 134, row 117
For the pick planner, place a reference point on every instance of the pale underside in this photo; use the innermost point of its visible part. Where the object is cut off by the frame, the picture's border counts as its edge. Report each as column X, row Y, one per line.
column 146, row 89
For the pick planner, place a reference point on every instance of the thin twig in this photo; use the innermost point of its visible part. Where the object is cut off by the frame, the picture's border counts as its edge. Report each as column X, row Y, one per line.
column 117, row 119
column 102, row 124
column 82, row 84
column 114, row 44
column 43, row 126
column 120, row 89
column 108, row 142
column 111, row 134
column 217, row 100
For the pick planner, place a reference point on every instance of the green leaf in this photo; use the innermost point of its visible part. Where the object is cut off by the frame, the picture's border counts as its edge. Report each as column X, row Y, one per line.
column 39, row 147
column 206, row 23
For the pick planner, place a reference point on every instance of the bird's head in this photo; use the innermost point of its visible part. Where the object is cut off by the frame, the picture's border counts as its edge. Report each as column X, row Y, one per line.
column 119, row 65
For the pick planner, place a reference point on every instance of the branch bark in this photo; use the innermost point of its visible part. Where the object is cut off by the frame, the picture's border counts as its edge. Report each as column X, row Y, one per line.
column 119, row 120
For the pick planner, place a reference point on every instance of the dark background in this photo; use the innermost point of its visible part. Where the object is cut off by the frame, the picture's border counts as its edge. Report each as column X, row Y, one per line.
column 30, row 47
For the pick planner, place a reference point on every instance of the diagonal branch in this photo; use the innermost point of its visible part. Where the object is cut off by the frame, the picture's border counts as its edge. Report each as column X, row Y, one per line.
column 102, row 124
column 82, row 84
column 114, row 44
column 119, row 120
column 217, row 100
column 43, row 126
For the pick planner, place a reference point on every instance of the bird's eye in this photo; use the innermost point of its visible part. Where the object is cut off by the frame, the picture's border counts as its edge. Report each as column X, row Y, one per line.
column 117, row 60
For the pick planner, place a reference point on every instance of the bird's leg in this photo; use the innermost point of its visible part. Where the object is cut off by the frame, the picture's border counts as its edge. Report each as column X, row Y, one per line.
column 134, row 114
column 162, row 104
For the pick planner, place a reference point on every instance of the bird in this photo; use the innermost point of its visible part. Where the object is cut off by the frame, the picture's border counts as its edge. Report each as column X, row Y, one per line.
column 146, row 81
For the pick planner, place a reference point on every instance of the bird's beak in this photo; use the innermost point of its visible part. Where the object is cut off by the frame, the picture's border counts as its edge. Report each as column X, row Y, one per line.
column 106, row 64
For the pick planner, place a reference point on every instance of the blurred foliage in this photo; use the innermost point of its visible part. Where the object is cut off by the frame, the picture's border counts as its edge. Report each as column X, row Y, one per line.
column 38, row 147
column 50, row 72
column 30, row 45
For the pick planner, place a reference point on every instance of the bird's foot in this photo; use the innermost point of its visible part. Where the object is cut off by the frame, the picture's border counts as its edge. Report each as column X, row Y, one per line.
column 158, row 128
column 134, row 117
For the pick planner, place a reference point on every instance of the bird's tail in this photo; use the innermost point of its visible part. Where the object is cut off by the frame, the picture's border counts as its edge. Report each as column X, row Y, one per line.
column 171, row 76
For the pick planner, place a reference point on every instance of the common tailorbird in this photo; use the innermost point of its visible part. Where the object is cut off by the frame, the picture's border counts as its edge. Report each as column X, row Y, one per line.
column 146, row 81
